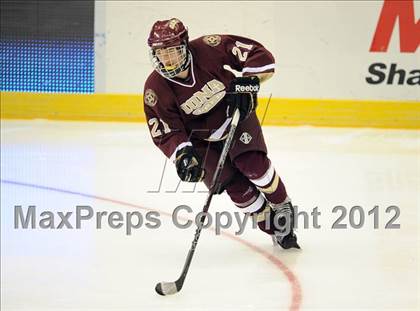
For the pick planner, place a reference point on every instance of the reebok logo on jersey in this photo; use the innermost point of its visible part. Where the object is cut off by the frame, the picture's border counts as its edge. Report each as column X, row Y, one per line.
column 247, row 88
column 203, row 101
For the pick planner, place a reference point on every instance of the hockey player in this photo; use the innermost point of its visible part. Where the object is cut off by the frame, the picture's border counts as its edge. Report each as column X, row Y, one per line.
column 189, row 100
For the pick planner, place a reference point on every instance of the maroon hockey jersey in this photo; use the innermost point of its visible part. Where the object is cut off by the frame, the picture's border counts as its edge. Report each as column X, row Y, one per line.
column 178, row 111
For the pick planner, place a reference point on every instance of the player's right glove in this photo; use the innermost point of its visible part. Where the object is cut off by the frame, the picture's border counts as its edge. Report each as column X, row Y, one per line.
column 242, row 94
column 188, row 165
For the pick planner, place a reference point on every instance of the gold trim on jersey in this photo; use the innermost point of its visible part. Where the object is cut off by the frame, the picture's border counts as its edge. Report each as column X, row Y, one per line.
column 273, row 187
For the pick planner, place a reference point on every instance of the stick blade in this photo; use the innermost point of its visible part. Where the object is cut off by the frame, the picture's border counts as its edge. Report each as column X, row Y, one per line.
column 166, row 288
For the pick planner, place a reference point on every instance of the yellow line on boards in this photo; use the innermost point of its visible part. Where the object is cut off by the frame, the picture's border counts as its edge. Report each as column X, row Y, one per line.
column 279, row 111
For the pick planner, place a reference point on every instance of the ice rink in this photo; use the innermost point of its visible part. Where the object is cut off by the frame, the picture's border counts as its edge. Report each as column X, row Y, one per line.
column 114, row 167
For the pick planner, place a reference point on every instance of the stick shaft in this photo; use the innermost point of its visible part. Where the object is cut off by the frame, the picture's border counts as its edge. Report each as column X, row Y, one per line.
column 212, row 190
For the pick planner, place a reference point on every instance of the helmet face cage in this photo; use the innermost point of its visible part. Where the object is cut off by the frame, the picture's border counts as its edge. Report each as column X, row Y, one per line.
column 170, row 61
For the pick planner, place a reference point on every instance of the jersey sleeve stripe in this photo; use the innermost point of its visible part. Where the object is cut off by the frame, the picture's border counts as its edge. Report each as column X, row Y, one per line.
column 258, row 69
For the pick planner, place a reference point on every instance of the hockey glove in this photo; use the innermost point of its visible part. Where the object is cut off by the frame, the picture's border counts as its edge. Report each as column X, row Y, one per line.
column 188, row 165
column 242, row 94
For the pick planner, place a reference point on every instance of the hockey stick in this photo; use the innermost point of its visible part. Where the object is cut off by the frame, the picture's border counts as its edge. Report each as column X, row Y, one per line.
column 170, row 288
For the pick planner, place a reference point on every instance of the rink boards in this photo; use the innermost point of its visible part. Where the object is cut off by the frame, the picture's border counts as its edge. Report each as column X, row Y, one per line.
column 271, row 111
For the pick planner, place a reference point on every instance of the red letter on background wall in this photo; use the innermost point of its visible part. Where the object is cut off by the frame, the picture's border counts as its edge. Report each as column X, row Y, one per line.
column 409, row 28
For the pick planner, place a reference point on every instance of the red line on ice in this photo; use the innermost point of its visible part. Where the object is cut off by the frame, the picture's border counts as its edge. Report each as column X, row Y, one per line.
column 294, row 282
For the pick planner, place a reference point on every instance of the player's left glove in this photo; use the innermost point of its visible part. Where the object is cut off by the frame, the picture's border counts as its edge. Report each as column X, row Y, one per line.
column 242, row 94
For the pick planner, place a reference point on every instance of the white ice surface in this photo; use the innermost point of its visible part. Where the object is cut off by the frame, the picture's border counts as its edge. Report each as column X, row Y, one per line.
column 117, row 165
